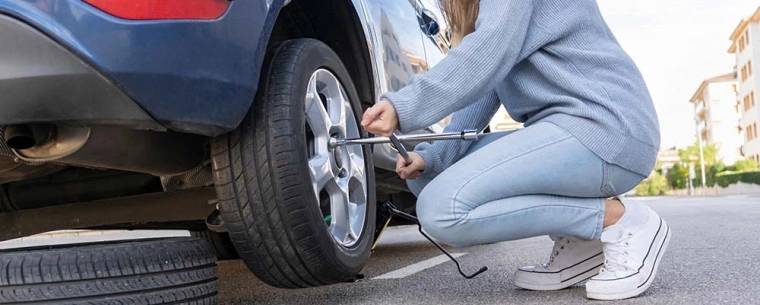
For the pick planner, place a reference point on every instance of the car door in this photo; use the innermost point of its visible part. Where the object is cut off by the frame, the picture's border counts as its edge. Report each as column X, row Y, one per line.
column 436, row 34
column 435, row 39
column 402, row 53
column 401, row 37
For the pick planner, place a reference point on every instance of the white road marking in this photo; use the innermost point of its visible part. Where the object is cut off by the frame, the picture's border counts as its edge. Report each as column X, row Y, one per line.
column 414, row 268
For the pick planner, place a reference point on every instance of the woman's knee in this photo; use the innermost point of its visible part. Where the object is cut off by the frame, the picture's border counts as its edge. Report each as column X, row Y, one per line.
column 417, row 185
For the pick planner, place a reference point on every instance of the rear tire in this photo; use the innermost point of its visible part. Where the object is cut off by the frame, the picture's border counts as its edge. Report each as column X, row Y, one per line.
column 221, row 243
column 271, row 206
column 169, row 271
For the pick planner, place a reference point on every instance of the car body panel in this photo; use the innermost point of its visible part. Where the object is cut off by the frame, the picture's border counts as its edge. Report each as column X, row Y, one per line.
column 179, row 71
column 200, row 76
column 398, row 53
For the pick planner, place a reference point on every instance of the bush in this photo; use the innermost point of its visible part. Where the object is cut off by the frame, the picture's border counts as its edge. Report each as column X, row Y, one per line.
column 725, row 179
column 711, row 173
column 745, row 165
column 677, row 177
column 653, row 186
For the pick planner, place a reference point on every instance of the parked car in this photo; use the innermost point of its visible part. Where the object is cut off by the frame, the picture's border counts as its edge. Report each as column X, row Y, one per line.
column 212, row 116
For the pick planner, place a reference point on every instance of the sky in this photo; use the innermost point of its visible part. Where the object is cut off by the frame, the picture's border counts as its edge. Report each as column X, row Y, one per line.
column 676, row 44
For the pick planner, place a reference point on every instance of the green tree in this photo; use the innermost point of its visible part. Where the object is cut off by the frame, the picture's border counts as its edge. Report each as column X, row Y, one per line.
column 655, row 185
column 745, row 165
column 713, row 165
column 677, row 177
column 691, row 154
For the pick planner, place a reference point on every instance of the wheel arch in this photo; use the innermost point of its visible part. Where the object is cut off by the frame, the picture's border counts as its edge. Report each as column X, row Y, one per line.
column 343, row 26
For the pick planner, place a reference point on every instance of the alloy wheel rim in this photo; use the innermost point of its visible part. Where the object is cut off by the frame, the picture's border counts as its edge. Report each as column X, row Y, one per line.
column 338, row 176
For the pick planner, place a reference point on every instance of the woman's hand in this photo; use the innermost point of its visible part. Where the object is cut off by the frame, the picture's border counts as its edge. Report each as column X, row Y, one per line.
column 412, row 170
column 380, row 119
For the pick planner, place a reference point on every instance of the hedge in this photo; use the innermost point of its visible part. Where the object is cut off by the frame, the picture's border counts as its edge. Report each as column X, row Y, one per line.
column 726, row 178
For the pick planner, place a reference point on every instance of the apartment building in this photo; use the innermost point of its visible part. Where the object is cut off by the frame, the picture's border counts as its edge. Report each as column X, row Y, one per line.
column 716, row 116
column 745, row 45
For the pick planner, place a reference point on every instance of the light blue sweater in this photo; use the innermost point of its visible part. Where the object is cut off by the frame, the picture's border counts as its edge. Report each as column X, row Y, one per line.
column 545, row 61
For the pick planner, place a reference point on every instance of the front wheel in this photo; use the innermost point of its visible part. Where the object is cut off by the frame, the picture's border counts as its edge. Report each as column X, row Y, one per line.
column 299, row 212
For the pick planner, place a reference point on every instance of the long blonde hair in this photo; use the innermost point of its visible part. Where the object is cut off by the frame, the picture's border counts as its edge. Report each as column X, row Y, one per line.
column 461, row 16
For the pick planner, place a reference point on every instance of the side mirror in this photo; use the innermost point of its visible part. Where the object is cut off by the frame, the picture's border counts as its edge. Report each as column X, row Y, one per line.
column 430, row 23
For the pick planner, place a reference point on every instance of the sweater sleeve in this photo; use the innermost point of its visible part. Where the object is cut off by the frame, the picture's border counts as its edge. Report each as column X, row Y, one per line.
column 481, row 60
column 440, row 155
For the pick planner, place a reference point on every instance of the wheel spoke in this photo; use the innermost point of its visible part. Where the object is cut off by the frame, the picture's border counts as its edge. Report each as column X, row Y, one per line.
column 339, row 204
column 320, row 172
column 356, row 165
column 337, row 103
column 355, row 227
column 316, row 114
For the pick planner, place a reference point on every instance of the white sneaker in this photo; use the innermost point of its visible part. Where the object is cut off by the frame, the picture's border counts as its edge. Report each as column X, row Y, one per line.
column 632, row 256
column 572, row 261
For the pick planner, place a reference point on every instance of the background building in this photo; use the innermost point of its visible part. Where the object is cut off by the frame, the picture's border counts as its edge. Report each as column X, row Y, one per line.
column 667, row 158
column 717, row 118
column 744, row 46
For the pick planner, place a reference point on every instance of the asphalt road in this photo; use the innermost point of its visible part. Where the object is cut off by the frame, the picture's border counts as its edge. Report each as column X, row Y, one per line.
column 713, row 258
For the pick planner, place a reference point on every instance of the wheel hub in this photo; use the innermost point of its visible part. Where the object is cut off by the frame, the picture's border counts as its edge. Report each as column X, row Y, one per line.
column 338, row 157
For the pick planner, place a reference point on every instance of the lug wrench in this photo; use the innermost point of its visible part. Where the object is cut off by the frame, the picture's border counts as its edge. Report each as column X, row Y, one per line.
column 469, row 135
column 396, row 142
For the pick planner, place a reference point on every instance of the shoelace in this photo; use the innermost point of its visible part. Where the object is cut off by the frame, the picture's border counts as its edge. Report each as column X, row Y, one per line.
column 616, row 254
column 559, row 245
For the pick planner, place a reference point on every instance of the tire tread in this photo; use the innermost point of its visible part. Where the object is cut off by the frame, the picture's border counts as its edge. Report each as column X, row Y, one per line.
column 144, row 272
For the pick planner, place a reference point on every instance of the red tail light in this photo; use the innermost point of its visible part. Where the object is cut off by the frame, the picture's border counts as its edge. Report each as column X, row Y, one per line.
column 162, row 9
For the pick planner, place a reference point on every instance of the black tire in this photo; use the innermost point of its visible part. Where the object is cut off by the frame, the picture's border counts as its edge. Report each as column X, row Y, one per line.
column 262, row 181
column 221, row 242
column 169, row 271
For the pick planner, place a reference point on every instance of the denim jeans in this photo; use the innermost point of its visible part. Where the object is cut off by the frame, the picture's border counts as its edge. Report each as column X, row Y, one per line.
column 535, row 181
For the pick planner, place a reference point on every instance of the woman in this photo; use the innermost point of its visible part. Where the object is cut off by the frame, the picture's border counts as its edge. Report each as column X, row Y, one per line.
column 591, row 133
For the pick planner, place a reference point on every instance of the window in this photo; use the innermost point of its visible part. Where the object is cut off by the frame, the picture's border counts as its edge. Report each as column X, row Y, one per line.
column 746, row 37
column 752, row 99
column 744, row 73
column 749, row 133
column 749, row 68
column 741, row 44
column 745, row 102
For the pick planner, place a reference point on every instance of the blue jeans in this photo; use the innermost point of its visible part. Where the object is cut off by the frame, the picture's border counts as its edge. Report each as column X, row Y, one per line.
column 539, row 180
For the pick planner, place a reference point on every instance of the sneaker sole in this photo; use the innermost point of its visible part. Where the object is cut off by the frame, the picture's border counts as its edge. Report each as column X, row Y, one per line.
column 643, row 287
column 587, row 270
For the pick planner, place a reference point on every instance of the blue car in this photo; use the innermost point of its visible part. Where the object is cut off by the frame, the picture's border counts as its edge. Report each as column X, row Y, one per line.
column 213, row 116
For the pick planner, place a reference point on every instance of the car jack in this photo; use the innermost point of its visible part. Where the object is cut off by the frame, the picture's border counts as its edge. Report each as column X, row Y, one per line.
column 389, row 209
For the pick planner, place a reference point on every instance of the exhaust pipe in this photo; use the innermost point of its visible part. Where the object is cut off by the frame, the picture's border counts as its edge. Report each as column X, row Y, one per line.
column 156, row 153
column 27, row 136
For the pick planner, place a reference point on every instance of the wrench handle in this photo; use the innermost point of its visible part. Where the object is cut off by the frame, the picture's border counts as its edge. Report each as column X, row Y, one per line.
column 400, row 148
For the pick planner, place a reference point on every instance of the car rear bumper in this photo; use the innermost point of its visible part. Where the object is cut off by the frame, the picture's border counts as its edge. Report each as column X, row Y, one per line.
column 191, row 76
column 42, row 82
